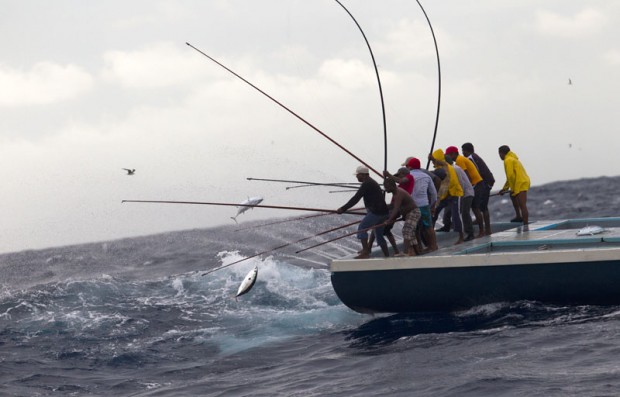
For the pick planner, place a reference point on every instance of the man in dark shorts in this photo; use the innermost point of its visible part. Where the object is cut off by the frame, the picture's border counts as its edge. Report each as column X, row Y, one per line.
column 406, row 182
column 376, row 211
column 404, row 206
column 482, row 190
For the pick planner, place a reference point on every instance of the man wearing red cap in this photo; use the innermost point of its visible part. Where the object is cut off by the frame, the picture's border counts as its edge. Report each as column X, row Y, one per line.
column 405, row 182
column 425, row 196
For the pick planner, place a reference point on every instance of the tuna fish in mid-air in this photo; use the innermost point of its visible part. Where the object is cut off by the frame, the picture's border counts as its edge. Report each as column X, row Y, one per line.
column 246, row 205
column 248, row 282
column 590, row 231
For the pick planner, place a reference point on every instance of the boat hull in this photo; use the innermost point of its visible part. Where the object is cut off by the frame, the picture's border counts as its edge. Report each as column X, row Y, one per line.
column 450, row 289
column 549, row 262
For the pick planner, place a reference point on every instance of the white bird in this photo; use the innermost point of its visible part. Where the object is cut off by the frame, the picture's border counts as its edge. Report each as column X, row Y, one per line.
column 130, row 172
column 248, row 282
column 246, row 205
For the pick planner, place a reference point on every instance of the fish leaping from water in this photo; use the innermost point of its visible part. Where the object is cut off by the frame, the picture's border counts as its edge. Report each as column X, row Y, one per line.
column 248, row 282
column 246, row 205
column 130, row 172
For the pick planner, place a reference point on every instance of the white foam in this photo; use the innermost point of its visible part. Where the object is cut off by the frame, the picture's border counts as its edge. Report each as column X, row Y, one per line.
column 286, row 301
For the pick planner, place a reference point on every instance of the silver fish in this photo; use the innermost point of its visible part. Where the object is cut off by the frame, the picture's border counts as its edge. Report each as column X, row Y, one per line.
column 248, row 282
column 246, row 205
column 590, row 231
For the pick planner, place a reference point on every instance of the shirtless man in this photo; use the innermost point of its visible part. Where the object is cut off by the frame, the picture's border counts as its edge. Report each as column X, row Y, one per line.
column 405, row 206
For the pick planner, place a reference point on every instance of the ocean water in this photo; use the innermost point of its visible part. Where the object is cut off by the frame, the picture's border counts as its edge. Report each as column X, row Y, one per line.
column 136, row 317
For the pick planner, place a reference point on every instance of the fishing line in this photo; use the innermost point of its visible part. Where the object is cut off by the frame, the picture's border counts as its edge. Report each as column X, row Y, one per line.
column 281, row 246
column 335, row 184
column 343, row 236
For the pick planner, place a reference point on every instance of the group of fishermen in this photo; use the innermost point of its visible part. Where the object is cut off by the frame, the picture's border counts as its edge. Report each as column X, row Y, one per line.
column 458, row 185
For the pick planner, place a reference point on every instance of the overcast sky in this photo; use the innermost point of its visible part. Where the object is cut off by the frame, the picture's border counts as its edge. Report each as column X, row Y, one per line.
column 90, row 87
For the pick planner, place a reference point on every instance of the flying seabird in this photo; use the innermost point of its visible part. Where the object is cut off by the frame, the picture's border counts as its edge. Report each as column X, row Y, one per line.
column 570, row 82
column 130, row 172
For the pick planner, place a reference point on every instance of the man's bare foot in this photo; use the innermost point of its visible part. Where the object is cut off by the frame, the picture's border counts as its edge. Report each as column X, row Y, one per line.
column 399, row 255
column 480, row 235
column 459, row 241
column 363, row 255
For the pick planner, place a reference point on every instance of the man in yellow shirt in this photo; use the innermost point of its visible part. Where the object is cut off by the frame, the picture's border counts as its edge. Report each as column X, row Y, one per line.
column 517, row 183
column 473, row 203
column 451, row 196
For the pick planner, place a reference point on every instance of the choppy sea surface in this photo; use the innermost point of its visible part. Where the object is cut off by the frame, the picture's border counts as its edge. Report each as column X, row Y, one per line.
column 136, row 317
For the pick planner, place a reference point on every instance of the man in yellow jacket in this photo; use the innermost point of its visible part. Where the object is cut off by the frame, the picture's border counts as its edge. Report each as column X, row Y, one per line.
column 450, row 195
column 517, row 182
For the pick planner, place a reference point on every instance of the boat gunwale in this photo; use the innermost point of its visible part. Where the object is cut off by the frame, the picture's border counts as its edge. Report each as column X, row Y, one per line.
column 470, row 254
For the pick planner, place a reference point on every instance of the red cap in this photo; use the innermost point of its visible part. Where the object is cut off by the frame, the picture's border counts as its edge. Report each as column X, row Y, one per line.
column 452, row 150
column 413, row 163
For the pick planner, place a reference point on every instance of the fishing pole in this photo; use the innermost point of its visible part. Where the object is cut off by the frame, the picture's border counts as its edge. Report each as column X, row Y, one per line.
column 321, row 184
column 241, row 205
column 372, row 56
column 343, row 236
column 428, row 162
column 341, row 191
column 287, row 109
column 337, row 184
column 289, row 220
column 279, row 222
column 280, row 247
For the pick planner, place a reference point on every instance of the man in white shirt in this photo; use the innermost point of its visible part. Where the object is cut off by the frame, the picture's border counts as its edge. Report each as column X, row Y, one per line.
column 425, row 195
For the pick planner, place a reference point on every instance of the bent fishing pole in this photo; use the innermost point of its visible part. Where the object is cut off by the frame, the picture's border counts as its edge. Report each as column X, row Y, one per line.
column 428, row 162
column 280, row 207
column 280, row 247
column 287, row 109
column 374, row 63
